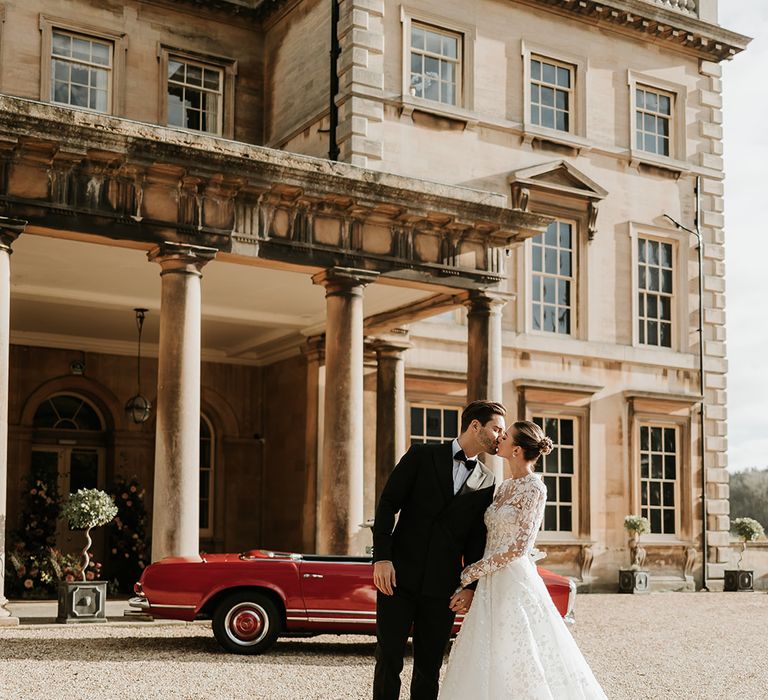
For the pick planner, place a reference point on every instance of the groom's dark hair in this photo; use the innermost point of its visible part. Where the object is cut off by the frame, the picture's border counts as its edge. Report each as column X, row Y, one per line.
column 482, row 411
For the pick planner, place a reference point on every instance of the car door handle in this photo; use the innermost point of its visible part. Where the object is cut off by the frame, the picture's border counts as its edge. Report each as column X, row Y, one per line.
column 313, row 576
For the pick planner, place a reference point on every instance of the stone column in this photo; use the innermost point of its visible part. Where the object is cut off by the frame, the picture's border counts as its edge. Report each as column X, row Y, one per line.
column 10, row 230
column 340, row 492
column 390, row 405
column 484, row 376
column 175, row 511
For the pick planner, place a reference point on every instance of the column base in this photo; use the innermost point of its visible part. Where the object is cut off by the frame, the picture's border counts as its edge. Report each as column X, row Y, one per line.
column 6, row 619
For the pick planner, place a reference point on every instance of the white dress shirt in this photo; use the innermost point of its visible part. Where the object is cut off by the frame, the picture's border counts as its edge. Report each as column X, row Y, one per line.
column 460, row 472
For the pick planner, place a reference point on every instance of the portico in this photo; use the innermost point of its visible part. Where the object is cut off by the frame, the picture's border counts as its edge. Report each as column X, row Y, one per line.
column 240, row 234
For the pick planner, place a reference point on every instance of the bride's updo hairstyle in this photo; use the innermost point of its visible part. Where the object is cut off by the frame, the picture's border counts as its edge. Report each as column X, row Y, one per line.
column 531, row 439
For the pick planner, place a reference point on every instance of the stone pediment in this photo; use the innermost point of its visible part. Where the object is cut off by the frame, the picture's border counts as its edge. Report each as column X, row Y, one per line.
column 558, row 176
column 557, row 180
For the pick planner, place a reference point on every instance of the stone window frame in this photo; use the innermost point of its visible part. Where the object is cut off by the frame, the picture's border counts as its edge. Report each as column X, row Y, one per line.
column 666, row 411
column 680, row 305
column 579, row 275
column 463, row 110
column 573, row 278
column 576, row 136
column 438, row 405
column 47, row 24
column 575, row 476
column 560, row 400
column 227, row 65
column 208, row 532
column 676, row 160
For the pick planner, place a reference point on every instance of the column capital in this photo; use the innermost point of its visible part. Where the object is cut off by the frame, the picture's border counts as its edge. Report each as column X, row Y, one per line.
column 181, row 257
column 344, row 280
column 482, row 300
column 10, row 230
column 392, row 344
column 314, row 349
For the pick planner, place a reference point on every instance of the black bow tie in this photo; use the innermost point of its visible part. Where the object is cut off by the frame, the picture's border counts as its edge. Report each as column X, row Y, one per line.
column 461, row 457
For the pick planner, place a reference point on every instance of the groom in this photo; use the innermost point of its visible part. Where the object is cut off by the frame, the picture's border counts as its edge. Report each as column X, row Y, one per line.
column 441, row 493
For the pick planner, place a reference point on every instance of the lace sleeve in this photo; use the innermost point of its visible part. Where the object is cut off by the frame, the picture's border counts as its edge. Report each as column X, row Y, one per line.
column 530, row 500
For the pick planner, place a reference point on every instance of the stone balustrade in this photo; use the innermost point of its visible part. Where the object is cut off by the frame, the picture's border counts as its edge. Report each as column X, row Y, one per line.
column 688, row 7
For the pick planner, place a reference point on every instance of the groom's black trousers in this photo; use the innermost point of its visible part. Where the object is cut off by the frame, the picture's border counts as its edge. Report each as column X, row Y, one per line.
column 432, row 620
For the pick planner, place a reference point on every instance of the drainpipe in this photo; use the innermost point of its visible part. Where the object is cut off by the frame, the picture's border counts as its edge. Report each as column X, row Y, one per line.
column 702, row 405
column 333, row 147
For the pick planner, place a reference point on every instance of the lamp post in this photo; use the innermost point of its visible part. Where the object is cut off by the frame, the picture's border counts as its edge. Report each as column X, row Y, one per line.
column 696, row 231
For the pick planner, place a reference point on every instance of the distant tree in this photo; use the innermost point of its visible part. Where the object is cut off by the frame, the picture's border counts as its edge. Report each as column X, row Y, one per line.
column 749, row 495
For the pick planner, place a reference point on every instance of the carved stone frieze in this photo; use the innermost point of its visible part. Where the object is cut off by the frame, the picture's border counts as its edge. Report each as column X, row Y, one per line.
column 117, row 180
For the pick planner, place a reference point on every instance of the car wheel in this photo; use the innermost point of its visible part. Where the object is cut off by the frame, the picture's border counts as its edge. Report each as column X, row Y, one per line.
column 246, row 623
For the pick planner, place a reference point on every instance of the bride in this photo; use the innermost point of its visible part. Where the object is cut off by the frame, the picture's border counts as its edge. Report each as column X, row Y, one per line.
column 513, row 642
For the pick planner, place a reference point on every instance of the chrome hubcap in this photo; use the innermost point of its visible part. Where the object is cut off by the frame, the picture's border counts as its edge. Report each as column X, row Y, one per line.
column 246, row 624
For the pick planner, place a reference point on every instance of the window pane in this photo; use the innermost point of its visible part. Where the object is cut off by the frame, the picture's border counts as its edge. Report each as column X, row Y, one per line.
column 62, row 44
column 100, row 54
column 433, row 42
column 433, row 422
column 81, row 49
column 417, row 421
column 550, row 320
column 644, row 472
column 654, row 493
column 176, row 70
column 417, row 38
column 537, row 266
column 194, row 75
column 536, row 70
column 451, row 423
column 670, row 467
column 550, row 518
column 563, row 77
column 550, row 261
column 656, row 439
column 548, row 73
column 655, row 517
column 566, row 518
column 565, row 489
column 566, row 431
column 669, row 521
column 566, row 460
column 550, row 287
column 175, row 106
column 561, row 99
column 656, row 466
column 550, row 237
column 547, row 96
column 450, row 47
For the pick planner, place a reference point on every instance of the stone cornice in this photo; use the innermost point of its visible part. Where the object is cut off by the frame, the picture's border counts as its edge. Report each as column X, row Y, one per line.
column 658, row 24
column 69, row 170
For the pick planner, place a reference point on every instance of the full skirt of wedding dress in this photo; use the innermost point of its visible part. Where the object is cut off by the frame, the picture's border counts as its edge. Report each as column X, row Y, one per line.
column 514, row 645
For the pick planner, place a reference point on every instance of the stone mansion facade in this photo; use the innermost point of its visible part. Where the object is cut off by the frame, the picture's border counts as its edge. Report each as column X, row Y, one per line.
column 468, row 199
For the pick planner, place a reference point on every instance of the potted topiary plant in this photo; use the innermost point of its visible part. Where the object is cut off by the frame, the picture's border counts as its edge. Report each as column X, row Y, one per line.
column 635, row 579
column 738, row 579
column 85, row 601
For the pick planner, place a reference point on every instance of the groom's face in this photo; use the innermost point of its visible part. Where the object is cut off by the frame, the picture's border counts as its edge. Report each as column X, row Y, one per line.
column 488, row 435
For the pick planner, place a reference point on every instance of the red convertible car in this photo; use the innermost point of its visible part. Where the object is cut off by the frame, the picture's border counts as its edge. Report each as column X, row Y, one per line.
column 257, row 596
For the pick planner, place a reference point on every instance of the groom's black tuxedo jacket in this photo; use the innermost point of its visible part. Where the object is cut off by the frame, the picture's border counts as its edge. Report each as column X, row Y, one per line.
column 437, row 533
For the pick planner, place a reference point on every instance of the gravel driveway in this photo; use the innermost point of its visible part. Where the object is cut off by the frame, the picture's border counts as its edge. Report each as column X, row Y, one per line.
column 666, row 645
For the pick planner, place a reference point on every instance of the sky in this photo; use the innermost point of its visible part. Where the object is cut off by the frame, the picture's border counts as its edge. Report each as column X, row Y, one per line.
column 745, row 142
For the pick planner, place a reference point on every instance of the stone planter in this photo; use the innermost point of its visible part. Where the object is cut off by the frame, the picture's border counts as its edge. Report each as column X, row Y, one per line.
column 82, row 601
column 739, row 580
column 634, row 581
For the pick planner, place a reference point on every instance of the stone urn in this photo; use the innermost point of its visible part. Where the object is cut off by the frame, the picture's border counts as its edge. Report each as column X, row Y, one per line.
column 635, row 579
column 739, row 579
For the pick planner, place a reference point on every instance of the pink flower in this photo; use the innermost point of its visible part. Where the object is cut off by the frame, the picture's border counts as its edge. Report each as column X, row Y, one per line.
column 89, row 575
column 129, row 503
column 34, row 572
column 69, row 578
column 133, row 489
column 22, row 570
column 33, row 492
column 114, row 551
column 123, row 496
column 28, row 583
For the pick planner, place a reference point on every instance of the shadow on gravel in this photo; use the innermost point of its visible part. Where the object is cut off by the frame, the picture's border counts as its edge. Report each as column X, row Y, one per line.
column 181, row 649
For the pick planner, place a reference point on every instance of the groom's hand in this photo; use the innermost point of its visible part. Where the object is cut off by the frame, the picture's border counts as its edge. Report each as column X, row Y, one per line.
column 461, row 601
column 384, row 577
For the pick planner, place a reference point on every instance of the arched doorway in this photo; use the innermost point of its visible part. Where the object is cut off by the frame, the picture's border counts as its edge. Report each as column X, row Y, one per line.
column 68, row 451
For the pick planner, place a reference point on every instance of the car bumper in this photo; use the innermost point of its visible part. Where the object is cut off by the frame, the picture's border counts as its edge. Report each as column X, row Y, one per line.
column 569, row 616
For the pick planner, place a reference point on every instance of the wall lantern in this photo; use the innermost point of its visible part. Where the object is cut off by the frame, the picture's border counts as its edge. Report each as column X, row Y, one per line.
column 138, row 407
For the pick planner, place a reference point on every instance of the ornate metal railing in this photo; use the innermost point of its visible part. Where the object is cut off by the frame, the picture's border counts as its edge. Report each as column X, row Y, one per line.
column 688, row 7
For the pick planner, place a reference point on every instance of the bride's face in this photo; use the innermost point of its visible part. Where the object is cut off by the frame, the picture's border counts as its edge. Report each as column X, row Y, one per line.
column 507, row 444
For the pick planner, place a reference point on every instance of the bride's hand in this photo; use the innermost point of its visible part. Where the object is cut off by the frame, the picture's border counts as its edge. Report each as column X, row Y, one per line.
column 461, row 601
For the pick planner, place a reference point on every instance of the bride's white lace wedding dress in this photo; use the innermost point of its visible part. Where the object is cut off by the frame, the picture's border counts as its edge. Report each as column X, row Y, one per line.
column 513, row 643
